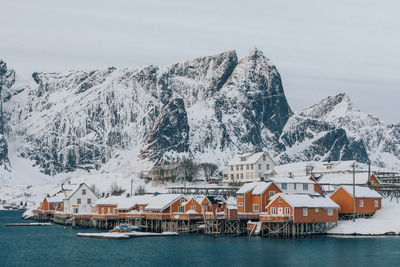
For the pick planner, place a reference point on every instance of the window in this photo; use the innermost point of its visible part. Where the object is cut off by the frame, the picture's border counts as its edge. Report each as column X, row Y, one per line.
column 192, row 200
column 271, row 193
column 181, row 209
column 241, row 167
column 76, row 210
column 330, row 212
column 102, row 210
column 361, row 203
column 295, row 186
column 237, row 176
column 193, row 208
column 241, row 176
column 267, row 166
column 83, row 191
column 251, row 166
column 284, row 185
column 305, row 187
column 273, row 211
column 305, row 211
column 255, row 207
column 376, row 203
column 316, row 209
column 182, row 200
column 237, row 167
column 264, row 158
column 259, row 166
column 89, row 201
column 247, row 166
column 232, row 176
column 240, row 204
column 231, row 168
column 242, row 158
column 78, row 201
column 280, row 200
column 287, row 211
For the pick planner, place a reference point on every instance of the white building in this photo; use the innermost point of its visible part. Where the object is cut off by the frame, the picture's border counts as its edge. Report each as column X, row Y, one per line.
column 298, row 185
column 80, row 200
column 250, row 167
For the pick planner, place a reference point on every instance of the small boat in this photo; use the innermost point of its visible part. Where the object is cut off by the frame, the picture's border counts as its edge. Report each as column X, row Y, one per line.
column 125, row 228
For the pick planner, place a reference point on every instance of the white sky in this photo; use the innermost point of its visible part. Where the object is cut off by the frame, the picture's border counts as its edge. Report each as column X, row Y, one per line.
column 320, row 48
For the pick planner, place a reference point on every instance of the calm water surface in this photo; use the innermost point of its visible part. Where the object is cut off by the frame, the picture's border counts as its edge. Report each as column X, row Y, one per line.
column 54, row 246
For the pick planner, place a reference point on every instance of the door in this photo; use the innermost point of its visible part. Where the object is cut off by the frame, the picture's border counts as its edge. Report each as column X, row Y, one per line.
column 280, row 211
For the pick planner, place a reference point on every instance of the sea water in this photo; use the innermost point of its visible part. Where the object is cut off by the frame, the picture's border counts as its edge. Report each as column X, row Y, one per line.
column 56, row 246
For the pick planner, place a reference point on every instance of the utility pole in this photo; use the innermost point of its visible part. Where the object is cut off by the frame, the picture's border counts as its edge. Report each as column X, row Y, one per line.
column 131, row 186
column 354, row 192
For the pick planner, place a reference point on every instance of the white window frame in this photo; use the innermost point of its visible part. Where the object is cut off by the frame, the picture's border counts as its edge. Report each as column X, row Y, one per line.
column 305, row 212
column 181, row 209
column 240, row 204
column 83, row 192
column 259, row 166
column 330, row 212
column 284, row 185
column 271, row 194
column 316, row 209
column 256, row 208
column 89, row 201
column 361, row 203
column 376, row 203
column 305, row 187
column 182, row 200
column 295, row 186
column 287, row 211
column 273, row 211
column 193, row 208
column 78, row 201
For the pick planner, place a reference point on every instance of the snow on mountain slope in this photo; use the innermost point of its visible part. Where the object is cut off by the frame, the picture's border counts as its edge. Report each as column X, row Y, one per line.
column 356, row 135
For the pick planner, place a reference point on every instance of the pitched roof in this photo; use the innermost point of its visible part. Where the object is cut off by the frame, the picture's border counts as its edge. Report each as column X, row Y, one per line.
column 162, row 201
column 295, row 180
column 343, row 178
column 124, row 203
column 56, row 199
column 247, row 187
column 75, row 188
column 261, row 187
column 306, row 201
column 251, row 158
column 361, row 191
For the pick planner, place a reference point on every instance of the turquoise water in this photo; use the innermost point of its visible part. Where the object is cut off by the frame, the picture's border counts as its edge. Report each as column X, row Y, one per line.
column 54, row 246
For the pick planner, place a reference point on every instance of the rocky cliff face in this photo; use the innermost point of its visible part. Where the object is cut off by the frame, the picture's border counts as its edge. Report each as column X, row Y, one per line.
column 7, row 79
column 209, row 107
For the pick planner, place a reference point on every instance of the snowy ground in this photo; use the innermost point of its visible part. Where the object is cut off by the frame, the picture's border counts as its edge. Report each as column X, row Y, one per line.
column 384, row 221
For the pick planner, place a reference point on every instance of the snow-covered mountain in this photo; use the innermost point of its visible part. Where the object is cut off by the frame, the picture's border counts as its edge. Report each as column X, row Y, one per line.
column 209, row 108
column 334, row 129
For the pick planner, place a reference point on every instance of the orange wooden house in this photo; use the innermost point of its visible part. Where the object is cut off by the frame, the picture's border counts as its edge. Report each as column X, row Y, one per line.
column 253, row 197
column 213, row 207
column 368, row 201
column 54, row 203
column 164, row 206
column 300, row 208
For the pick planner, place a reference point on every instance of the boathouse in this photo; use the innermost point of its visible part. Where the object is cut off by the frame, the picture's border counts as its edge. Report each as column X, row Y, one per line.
column 300, row 208
column 253, row 197
column 368, row 201
column 295, row 185
column 164, row 205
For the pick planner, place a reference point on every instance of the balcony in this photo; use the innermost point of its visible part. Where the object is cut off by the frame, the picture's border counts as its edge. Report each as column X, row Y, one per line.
column 275, row 218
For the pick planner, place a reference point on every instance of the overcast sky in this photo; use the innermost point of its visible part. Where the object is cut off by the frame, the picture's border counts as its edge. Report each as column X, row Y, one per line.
column 320, row 48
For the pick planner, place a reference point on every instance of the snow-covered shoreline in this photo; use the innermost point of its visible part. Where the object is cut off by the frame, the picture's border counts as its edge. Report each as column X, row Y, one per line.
column 386, row 221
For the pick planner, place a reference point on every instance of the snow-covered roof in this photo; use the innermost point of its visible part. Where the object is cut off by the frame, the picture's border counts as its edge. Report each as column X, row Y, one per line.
column 247, row 187
column 361, row 191
column 306, row 201
column 251, row 158
column 162, row 201
column 124, row 203
column 295, row 180
column 260, row 188
column 343, row 178
column 56, row 199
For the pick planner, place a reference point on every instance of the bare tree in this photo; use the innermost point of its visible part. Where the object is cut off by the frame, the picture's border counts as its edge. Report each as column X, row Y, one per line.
column 189, row 169
column 94, row 189
column 140, row 190
column 209, row 169
column 116, row 190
